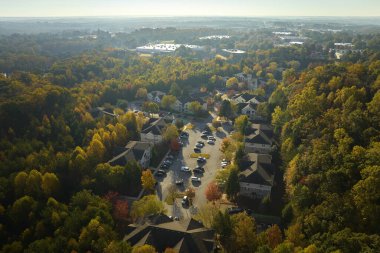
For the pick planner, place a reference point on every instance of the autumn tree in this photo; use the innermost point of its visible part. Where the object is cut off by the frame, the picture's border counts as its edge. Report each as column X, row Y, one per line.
column 274, row 236
column 244, row 232
column 120, row 209
column 147, row 180
column 144, row 249
column 190, row 193
column 170, row 133
column 141, row 93
column 168, row 101
column 212, row 192
column 195, row 107
column 232, row 82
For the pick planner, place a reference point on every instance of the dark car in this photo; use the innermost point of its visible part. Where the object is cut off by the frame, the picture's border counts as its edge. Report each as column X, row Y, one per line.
column 234, row 210
column 201, row 160
column 196, row 170
column 197, row 150
column 164, row 166
column 179, row 182
column 200, row 168
column 160, row 173
column 198, row 145
column 204, row 136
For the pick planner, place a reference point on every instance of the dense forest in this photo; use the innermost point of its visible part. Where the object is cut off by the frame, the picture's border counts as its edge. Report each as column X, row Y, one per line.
column 57, row 193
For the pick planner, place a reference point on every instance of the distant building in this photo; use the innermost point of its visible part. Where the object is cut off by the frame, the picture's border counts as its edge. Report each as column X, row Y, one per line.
column 256, row 177
column 234, row 51
column 215, row 37
column 251, row 82
column 247, row 98
column 249, row 109
column 152, row 130
column 165, row 48
column 161, row 232
column 140, row 152
column 155, row 96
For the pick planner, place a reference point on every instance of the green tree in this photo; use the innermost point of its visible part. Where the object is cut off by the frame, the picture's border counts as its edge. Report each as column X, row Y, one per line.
column 50, row 184
column 241, row 123
column 225, row 109
column 232, row 184
column 146, row 206
column 195, row 107
column 244, row 232
column 232, row 82
column 144, row 249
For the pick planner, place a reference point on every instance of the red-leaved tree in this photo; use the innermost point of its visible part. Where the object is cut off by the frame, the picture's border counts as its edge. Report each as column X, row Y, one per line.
column 213, row 192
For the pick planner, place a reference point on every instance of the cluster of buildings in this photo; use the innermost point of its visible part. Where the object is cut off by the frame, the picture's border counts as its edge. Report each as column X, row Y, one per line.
column 181, row 104
column 343, row 48
column 256, row 176
column 233, row 51
column 165, row 48
column 141, row 151
column 215, row 37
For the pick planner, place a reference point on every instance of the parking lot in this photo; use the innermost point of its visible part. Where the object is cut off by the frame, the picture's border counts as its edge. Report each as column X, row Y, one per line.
column 183, row 159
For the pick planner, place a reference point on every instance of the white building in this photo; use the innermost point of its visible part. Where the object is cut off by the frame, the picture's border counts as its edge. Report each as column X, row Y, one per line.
column 165, row 48
column 155, row 96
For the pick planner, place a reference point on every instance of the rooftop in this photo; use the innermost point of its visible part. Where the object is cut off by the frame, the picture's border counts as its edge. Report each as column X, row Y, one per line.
column 234, row 51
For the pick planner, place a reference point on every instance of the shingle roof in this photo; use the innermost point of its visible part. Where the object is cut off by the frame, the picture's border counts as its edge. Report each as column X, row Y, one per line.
column 257, row 169
column 187, row 236
column 134, row 150
column 154, row 126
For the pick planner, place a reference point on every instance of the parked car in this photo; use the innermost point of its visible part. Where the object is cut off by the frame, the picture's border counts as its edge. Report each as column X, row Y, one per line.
column 160, row 173
column 210, row 137
column 201, row 160
column 185, row 200
column 164, row 166
column 201, row 142
column 200, row 168
column 196, row 170
column 198, row 145
column 234, row 210
column 204, row 136
column 179, row 182
column 195, row 179
column 185, row 169
column 197, row 150
column 211, row 142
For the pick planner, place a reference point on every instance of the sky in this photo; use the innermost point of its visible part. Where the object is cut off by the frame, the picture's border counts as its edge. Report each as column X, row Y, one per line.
column 132, row 8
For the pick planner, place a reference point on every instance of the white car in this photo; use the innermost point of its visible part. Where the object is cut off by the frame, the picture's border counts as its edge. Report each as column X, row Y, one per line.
column 195, row 179
column 185, row 169
column 211, row 142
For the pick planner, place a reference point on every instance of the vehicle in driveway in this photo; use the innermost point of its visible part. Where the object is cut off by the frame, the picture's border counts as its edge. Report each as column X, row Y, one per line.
column 197, row 150
column 179, row 182
column 185, row 169
column 195, row 179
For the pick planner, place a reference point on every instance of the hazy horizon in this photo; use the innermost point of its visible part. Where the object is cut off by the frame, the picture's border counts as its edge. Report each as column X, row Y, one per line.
column 197, row 8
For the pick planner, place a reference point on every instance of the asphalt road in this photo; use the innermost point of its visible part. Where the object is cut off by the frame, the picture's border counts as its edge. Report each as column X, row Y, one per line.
column 183, row 159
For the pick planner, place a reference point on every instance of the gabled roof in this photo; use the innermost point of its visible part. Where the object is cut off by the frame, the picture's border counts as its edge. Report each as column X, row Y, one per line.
column 134, row 150
column 187, row 236
column 257, row 169
column 258, row 138
column 154, row 126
